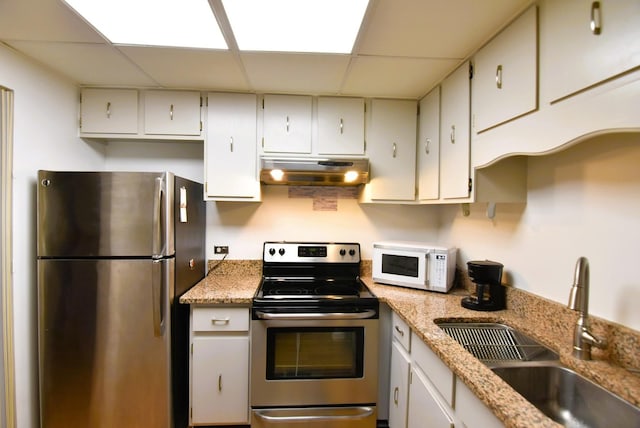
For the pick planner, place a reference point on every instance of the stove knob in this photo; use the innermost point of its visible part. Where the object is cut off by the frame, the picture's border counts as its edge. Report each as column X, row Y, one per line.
column 272, row 251
column 281, row 251
column 352, row 252
column 343, row 252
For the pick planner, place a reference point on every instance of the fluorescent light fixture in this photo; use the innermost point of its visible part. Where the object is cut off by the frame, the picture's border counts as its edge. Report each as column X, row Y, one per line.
column 173, row 23
column 321, row 26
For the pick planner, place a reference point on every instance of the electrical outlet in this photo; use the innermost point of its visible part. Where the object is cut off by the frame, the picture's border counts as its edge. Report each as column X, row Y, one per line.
column 221, row 249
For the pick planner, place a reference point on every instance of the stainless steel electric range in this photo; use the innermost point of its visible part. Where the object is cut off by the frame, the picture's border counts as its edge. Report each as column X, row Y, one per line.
column 314, row 338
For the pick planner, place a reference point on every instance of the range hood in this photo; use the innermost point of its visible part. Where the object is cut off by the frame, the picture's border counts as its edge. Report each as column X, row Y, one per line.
column 314, row 171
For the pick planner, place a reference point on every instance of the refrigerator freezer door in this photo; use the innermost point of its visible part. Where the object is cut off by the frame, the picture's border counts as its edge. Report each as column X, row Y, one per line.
column 104, row 342
column 105, row 214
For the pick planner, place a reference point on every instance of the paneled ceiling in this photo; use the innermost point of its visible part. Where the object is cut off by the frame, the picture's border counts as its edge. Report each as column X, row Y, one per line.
column 405, row 47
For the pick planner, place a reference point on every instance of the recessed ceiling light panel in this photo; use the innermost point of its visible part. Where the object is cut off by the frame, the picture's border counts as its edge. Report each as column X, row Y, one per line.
column 183, row 23
column 329, row 26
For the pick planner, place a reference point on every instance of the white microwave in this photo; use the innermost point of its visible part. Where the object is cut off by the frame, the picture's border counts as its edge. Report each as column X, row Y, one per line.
column 414, row 264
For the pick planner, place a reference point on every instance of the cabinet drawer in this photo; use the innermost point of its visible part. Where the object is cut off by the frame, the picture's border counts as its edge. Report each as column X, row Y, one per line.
column 220, row 319
column 401, row 331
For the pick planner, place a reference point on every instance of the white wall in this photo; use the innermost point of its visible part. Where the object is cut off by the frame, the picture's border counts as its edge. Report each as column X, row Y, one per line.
column 182, row 158
column 244, row 226
column 45, row 129
column 584, row 201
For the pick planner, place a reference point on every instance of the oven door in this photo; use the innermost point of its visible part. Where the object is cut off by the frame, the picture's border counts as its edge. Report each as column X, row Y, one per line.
column 314, row 359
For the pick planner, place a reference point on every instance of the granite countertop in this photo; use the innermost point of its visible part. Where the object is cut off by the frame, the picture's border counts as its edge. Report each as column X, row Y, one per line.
column 543, row 320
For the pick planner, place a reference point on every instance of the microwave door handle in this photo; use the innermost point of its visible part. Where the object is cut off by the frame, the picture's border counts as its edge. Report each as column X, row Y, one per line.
column 427, row 274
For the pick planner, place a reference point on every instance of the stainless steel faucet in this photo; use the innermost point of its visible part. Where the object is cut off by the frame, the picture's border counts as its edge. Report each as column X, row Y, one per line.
column 583, row 340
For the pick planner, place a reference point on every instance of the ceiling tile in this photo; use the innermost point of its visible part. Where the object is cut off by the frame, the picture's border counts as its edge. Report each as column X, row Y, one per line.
column 86, row 64
column 434, row 28
column 43, row 20
column 395, row 77
column 295, row 73
column 190, row 68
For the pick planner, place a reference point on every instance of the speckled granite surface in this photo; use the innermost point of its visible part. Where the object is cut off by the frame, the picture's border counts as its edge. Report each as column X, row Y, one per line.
column 235, row 282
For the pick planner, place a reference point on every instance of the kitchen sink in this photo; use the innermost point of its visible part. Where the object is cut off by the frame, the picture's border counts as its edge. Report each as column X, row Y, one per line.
column 495, row 343
column 568, row 398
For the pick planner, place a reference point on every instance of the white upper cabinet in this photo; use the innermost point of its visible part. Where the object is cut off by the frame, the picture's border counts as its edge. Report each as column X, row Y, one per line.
column 391, row 149
column 454, row 135
column 584, row 42
column 287, row 124
column 231, row 147
column 340, row 126
column 428, row 147
column 109, row 111
column 172, row 113
column 505, row 78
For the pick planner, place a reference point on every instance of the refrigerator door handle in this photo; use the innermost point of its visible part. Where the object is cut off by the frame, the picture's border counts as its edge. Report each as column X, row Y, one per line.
column 157, row 284
column 157, row 249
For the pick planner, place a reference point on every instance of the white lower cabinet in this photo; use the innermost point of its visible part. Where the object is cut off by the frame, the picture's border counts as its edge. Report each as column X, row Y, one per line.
column 424, row 392
column 399, row 391
column 472, row 411
column 424, row 407
column 219, row 368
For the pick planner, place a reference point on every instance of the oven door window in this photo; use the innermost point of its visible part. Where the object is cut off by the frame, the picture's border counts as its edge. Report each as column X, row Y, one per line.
column 315, row 353
column 400, row 265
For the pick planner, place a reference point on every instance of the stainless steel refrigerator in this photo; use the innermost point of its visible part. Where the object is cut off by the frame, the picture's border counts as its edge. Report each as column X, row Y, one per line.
column 115, row 252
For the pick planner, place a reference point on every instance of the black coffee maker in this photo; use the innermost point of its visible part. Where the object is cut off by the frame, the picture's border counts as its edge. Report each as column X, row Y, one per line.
column 490, row 293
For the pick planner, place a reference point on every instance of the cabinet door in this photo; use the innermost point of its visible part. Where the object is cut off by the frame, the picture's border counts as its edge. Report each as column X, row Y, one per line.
column 287, row 124
column 230, row 147
column 425, row 409
column 505, row 78
column 428, row 148
column 172, row 113
column 454, row 135
column 109, row 111
column 472, row 411
column 220, row 380
column 391, row 149
column 584, row 42
column 340, row 126
column 398, row 387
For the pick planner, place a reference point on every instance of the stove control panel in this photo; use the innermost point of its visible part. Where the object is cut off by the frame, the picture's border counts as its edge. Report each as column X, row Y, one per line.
column 305, row 252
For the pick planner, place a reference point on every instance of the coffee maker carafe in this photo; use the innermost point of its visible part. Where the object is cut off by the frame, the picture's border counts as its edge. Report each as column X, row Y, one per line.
column 490, row 293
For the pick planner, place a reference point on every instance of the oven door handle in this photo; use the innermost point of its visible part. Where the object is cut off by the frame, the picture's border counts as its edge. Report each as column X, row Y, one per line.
column 369, row 313
column 321, row 415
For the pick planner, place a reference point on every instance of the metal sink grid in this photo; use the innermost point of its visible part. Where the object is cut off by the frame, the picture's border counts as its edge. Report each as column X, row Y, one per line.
column 492, row 342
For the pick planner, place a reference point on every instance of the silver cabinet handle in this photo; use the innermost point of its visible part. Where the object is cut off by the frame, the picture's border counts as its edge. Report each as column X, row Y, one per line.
column 220, row 320
column 396, row 392
column 219, row 382
column 341, row 126
column 453, row 134
column 596, row 18
column 400, row 332
column 426, row 145
column 231, row 144
column 109, row 110
column 171, row 112
column 395, row 147
column 499, row 76
column 287, row 124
